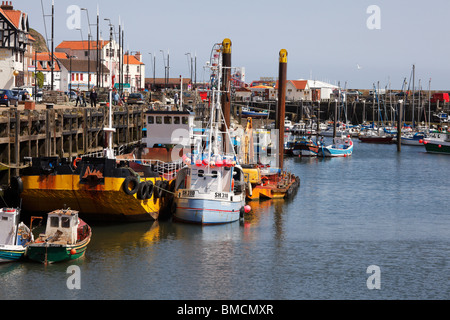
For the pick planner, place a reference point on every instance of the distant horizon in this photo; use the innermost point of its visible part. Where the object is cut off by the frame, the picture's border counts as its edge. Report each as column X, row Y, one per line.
column 351, row 41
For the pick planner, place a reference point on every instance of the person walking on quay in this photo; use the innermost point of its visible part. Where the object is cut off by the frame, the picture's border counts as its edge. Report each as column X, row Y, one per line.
column 116, row 98
column 93, row 97
column 79, row 97
column 83, row 98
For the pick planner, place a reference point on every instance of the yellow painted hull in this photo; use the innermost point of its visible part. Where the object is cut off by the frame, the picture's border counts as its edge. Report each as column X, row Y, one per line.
column 105, row 202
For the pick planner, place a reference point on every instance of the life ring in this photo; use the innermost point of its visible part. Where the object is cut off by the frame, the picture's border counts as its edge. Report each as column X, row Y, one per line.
column 265, row 181
column 75, row 162
column 142, row 193
column 133, row 182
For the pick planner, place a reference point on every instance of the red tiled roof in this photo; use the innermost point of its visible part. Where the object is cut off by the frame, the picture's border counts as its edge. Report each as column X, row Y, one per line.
column 127, row 59
column 81, row 45
column 298, row 84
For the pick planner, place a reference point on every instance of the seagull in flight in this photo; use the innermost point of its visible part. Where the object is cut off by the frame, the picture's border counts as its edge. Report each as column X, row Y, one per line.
column 359, row 67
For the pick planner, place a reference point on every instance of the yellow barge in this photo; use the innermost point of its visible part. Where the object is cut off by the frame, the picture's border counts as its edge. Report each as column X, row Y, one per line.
column 101, row 189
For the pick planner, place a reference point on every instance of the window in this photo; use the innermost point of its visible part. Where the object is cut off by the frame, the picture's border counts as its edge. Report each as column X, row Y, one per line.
column 73, row 76
column 5, row 219
column 167, row 120
column 158, row 120
column 65, row 222
column 54, row 222
column 201, row 173
column 144, row 134
column 185, row 120
column 81, row 77
column 151, row 120
column 176, row 120
column 137, row 69
column 78, row 77
column 86, row 53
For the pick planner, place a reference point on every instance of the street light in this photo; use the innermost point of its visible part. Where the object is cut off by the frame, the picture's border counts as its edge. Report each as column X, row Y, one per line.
column 89, row 48
column 165, row 69
column 154, row 66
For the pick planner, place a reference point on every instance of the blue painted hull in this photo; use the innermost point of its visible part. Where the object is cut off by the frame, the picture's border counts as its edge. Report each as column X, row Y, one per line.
column 336, row 152
column 7, row 255
column 207, row 212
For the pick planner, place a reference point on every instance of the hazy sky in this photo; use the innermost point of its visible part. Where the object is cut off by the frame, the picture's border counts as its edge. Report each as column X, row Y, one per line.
column 326, row 39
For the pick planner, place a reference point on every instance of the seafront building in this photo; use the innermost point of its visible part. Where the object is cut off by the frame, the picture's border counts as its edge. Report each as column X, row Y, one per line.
column 14, row 47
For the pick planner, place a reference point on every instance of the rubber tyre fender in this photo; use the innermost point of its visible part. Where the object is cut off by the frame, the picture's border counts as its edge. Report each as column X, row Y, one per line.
column 135, row 185
column 164, row 186
column 157, row 189
column 150, row 189
column 142, row 193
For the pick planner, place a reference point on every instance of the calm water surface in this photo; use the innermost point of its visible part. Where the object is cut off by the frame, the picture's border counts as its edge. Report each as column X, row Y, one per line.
column 376, row 208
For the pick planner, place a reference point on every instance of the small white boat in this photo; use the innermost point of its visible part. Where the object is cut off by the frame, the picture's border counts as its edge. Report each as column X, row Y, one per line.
column 14, row 235
column 341, row 147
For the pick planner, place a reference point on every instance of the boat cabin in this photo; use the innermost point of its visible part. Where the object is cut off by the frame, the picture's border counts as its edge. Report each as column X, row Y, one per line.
column 203, row 179
column 9, row 221
column 163, row 128
column 62, row 227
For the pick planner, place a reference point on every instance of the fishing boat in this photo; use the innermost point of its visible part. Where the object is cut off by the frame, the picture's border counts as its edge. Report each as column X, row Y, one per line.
column 66, row 238
column 341, row 147
column 211, row 189
column 415, row 139
column 306, row 147
column 246, row 112
column 14, row 235
column 372, row 136
column 439, row 145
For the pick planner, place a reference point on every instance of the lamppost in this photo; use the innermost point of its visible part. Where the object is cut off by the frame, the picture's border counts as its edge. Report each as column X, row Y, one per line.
column 89, row 48
column 70, row 76
column 190, row 63
column 165, row 70
column 35, row 76
column 154, row 67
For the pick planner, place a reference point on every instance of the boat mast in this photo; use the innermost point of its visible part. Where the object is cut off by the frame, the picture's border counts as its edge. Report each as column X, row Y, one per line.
column 109, row 151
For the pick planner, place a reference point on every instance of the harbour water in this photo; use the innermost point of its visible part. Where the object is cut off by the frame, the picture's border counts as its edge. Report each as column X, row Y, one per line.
column 376, row 208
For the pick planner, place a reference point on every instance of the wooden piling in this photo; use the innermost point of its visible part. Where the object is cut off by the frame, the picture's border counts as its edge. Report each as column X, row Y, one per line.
column 399, row 126
column 226, row 88
column 281, row 110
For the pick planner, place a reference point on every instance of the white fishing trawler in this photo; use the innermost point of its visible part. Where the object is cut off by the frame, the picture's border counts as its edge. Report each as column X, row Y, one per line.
column 211, row 188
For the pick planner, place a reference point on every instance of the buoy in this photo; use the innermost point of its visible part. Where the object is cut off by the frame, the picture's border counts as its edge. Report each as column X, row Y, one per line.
column 198, row 163
column 73, row 252
column 420, row 141
column 440, row 146
column 247, row 209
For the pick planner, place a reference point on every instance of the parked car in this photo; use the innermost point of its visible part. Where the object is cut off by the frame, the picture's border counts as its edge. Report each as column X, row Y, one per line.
column 136, row 98
column 72, row 95
column 8, row 98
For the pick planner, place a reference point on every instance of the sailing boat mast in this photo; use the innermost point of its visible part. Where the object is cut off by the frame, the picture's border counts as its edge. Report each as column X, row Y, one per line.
column 109, row 151
column 413, row 95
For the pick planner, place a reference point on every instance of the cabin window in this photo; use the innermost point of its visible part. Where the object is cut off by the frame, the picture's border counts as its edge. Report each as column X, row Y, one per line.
column 65, row 222
column 5, row 219
column 54, row 222
column 144, row 134
column 185, row 120
column 158, row 120
column 201, row 173
column 215, row 174
column 167, row 120
column 176, row 120
column 151, row 120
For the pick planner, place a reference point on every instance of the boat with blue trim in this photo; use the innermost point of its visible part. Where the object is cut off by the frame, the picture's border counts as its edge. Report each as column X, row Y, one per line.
column 14, row 235
column 341, row 147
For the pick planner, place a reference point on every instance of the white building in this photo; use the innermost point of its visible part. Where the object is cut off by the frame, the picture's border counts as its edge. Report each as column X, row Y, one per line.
column 321, row 90
column 43, row 63
column 134, row 72
column 78, row 74
column 109, row 56
column 14, row 31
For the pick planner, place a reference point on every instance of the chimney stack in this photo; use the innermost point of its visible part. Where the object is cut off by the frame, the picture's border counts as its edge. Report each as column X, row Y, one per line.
column 7, row 5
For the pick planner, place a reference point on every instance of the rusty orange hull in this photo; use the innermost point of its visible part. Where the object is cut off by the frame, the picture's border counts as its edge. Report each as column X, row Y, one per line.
column 107, row 202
